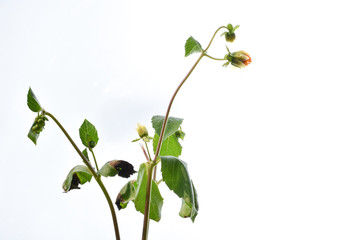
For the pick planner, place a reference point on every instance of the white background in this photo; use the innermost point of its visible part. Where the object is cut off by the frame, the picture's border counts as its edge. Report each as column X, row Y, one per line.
column 273, row 149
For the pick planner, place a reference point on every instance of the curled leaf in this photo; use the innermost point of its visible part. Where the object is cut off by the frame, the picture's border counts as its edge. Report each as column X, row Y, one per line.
column 78, row 175
column 176, row 177
column 37, row 127
column 126, row 194
column 117, row 167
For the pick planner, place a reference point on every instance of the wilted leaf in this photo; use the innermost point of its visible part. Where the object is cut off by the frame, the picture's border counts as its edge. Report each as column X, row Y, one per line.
column 126, row 194
column 177, row 178
column 117, row 167
column 78, row 175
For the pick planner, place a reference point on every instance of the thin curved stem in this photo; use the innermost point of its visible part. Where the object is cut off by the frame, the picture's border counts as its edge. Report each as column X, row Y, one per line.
column 213, row 37
column 218, row 59
column 147, row 149
column 96, row 176
column 170, row 104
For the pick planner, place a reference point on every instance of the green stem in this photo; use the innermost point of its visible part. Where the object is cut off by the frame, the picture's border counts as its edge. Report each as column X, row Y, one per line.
column 155, row 160
column 155, row 167
column 96, row 176
column 92, row 152
column 170, row 104
column 214, row 37
column 218, row 59
column 148, row 186
column 147, row 149
column 147, row 199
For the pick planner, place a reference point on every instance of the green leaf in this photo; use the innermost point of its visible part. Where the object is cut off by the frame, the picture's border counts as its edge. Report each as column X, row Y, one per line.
column 78, row 175
column 236, row 27
column 88, row 134
column 169, row 147
column 177, row 178
column 37, row 127
column 126, row 194
column 108, row 170
column 192, row 46
column 156, row 200
column 33, row 135
column 32, row 102
column 172, row 125
column 85, row 153
column 230, row 27
column 117, row 167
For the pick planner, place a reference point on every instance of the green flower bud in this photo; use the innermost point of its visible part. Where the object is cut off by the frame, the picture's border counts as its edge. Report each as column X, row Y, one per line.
column 142, row 131
column 41, row 122
column 230, row 34
column 230, row 37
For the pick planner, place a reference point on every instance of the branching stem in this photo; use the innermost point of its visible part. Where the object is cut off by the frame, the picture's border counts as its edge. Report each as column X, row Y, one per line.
column 155, row 159
column 96, row 176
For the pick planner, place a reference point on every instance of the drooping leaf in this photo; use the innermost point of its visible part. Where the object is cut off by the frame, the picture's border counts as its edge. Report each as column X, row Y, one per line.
column 78, row 175
column 156, row 200
column 177, row 178
column 172, row 125
column 126, row 194
column 32, row 102
column 33, row 135
column 88, row 134
column 192, row 46
column 117, row 167
column 169, row 147
column 187, row 210
column 37, row 127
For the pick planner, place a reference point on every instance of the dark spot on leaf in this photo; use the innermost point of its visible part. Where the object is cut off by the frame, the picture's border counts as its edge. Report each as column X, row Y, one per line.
column 75, row 182
column 123, row 168
column 118, row 201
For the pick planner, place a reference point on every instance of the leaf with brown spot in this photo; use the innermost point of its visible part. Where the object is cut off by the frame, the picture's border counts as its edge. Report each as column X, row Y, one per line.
column 117, row 167
column 78, row 175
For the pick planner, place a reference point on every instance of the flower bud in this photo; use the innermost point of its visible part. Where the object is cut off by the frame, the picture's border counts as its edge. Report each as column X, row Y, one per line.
column 142, row 131
column 230, row 34
column 230, row 37
column 238, row 59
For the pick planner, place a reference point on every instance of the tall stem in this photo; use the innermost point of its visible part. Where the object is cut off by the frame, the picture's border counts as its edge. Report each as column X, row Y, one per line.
column 96, row 176
column 147, row 201
column 154, row 161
